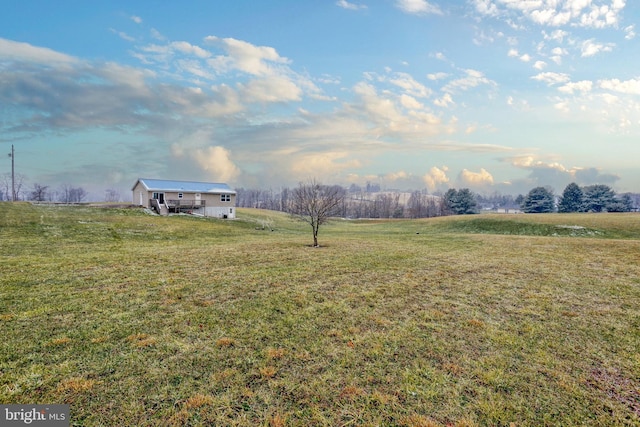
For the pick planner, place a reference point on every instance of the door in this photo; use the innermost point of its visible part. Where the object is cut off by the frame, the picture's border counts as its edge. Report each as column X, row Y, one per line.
column 198, row 199
column 159, row 197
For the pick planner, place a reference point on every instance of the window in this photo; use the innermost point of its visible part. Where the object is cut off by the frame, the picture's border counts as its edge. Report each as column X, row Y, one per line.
column 179, row 195
column 225, row 197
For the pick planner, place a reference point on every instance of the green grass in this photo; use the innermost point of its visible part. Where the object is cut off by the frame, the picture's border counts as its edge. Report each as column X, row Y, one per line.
column 135, row 319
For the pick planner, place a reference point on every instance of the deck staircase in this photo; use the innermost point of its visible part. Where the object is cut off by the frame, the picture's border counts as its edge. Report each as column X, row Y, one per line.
column 161, row 208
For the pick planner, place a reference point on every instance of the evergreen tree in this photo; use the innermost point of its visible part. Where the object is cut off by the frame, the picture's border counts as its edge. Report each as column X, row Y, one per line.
column 460, row 202
column 539, row 200
column 621, row 204
column 465, row 202
column 572, row 199
column 598, row 198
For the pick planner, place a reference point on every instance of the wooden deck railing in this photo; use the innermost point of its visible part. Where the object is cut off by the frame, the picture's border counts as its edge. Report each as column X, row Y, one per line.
column 185, row 204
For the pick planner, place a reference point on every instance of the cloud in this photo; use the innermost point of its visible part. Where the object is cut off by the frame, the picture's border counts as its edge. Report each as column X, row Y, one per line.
column 410, row 103
column 435, row 177
column 629, row 87
column 556, row 35
column 272, row 89
column 562, row 106
column 328, row 164
column 581, row 86
column 189, row 49
column 385, row 112
column 18, row 51
column 136, row 19
column 472, row 79
column 551, row 78
column 418, row 7
column 475, row 179
column 445, row 101
column 245, row 57
column 437, row 76
column 350, row 6
column 555, row 13
column 591, row 48
column 630, row 32
column 216, row 161
column 540, row 65
column 122, row 35
column 590, row 176
column 410, row 85
column 556, row 175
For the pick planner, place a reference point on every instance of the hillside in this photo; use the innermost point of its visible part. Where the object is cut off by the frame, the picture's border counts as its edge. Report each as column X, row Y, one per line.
column 136, row 319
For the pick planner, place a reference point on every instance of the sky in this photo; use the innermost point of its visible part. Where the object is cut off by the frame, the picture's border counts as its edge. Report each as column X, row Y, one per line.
column 492, row 95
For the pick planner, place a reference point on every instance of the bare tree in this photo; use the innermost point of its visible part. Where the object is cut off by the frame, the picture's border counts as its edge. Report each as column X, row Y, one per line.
column 315, row 203
column 69, row 194
column 111, row 195
column 9, row 184
column 39, row 192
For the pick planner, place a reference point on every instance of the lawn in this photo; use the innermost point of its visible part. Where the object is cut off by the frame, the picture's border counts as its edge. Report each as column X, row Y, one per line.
column 134, row 319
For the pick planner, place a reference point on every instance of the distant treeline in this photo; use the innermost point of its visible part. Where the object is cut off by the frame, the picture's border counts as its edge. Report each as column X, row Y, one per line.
column 371, row 202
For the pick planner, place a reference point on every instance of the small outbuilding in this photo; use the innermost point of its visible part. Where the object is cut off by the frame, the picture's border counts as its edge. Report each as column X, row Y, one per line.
column 199, row 198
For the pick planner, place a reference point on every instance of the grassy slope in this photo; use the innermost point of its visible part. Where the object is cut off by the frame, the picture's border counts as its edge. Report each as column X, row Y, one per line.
column 485, row 320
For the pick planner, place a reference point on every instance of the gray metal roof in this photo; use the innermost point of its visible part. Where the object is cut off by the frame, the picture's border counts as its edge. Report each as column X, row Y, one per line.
column 185, row 186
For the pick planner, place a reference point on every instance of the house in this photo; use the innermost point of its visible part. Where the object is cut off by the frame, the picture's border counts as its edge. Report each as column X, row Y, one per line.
column 199, row 198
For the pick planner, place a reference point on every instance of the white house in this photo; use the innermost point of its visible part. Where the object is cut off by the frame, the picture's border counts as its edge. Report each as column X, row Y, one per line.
column 200, row 198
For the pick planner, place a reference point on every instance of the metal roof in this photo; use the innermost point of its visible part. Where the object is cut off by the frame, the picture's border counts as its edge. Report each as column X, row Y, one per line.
column 185, row 186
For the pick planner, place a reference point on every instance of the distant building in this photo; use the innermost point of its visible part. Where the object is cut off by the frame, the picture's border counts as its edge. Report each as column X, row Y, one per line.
column 197, row 198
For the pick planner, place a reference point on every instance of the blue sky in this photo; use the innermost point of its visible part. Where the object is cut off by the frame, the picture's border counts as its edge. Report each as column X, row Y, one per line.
column 493, row 95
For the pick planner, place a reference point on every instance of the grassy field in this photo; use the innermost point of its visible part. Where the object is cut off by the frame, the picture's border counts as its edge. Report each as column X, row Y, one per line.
column 497, row 320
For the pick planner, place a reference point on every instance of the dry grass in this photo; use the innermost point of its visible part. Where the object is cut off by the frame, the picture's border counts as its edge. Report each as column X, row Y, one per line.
column 484, row 320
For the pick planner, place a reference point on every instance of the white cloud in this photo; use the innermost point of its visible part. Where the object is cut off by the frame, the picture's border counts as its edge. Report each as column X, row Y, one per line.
column 551, row 78
column 350, row 6
column 550, row 17
column 486, row 7
column 386, row 112
column 445, row 101
column 629, row 87
column 216, row 161
column 555, row 13
column 246, row 57
column 190, row 49
column 435, row 177
column 562, row 106
column 556, row 35
column 609, row 99
column 559, row 51
column 437, row 76
column 590, row 47
column 581, row 86
column 410, row 103
column 136, row 19
column 418, row 7
column 329, row 163
column 475, row 179
column 440, row 56
column 270, row 89
column 472, row 79
column 630, row 32
column 540, row 65
column 122, row 35
column 18, row 51
column 409, row 84
column 603, row 16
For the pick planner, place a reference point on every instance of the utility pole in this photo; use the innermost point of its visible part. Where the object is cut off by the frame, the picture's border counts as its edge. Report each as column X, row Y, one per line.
column 13, row 174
